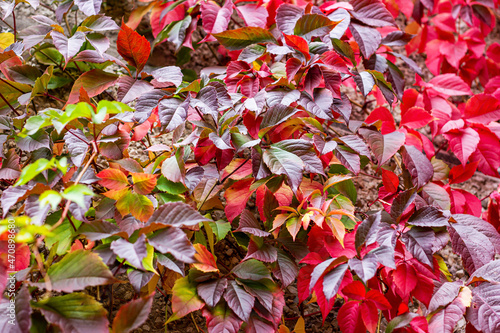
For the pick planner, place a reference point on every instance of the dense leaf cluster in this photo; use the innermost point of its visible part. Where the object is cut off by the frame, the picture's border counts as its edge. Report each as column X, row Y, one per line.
column 282, row 126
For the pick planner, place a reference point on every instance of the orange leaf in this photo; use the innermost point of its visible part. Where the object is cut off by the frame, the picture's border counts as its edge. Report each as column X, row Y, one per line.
column 205, row 260
column 113, row 179
column 133, row 47
column 144, row 183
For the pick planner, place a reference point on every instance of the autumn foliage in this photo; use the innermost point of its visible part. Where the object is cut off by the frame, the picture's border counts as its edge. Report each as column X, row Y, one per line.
column 142, row 175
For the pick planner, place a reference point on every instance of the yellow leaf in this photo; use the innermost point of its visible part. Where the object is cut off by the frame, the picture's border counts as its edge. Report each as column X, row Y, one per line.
column 300, row 326
column 6, row 38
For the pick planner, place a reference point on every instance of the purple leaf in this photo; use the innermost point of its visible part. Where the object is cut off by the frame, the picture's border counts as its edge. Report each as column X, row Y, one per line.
column 475, row 240
column 417, row 164
column 98, row 41
column 211, row 291
column 419, row 242
column 97, row 230
column 263, row 252
column 249, row 224
column 356, row 143
column 383, row 146
column 365, row 269
column 68, row 47
column 446, row 319
column 365, row 82
column 129, row 88
column 171, row 263
column 33, row 142
column 303, row 149
column 139, row 279
column 429, row 217
column 313, row 25
column 444, row 295
column 221, row 319
column 372, row 12
column 173, row 112
column 367, row 38
column 350, row 160
column 275, row 115
column 89, row 7
column 282, row 162
column 67, row 275
column 175, row 242
column 342, row 16
column 18, row 318
column 397, row 38
column 133, row 314
column 240, row 301
column 146, row 103
column 175, row 214
column 332, row 281
column 286, row 269
column 489, row 272
column 100, row 23
column 320, row 105
column 77, row 144
column 367, row 230
column 169, row 74
column 287, row 16
column 343, row 106
column 133, row 253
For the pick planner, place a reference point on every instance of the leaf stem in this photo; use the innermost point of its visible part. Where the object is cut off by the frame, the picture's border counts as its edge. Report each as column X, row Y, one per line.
column 7, row 102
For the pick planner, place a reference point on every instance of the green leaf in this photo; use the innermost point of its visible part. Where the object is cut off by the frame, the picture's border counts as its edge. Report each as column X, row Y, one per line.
column 184, row 299
column 220, row 228
column 313, row 25
column 76, row 312
column 34, row 169
column 77, row 193
column 251, row 270
column 240, row 38
column 78, row 270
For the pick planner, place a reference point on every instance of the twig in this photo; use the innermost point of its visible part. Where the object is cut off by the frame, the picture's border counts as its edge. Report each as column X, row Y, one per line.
column 7, row 102
column 368, row 175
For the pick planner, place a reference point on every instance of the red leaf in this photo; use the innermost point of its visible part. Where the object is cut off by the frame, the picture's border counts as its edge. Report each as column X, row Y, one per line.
column 298, row 43
column 369, row 314
column 215, row 19
column 463, row 143
column 390, row 180
column 350, row 318
column 482, row 108
column 113, row 179
column 449, row 85
column 405, row 279
column 205, row 260
column 416, row 117
column 378, row 299
column 133, row 47
column 237, row 196
column 385, row 116
column 459, row 173
column 94, row 82
column 487, row 153
column 355, row 290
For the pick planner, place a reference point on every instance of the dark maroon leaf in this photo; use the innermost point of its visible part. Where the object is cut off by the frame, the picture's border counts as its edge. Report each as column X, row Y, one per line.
column 429, row 217
column 240, row 301
column 367, row 230
column 168, row 74
column 146, row 103
column 303, row 149
column 417, row 164
column 319, row 105
column 139, row 279
column 475, row 240
column 173, row 112
column 287, row 16
column 383, row 146
column 171, row 263
column 211, row 291
column 286, row 269
column 412, row 64
column 385, row 255
column 444, row 295
column 367, row 38
column 366, row 268
column 343, row 106
column 77, row 144
column 318, row 272
column 250, row 224
column 129, row 88
column 419, row 242
column 446, row 319
column 33, row 142
column 365, row 82
column 402, row 202
column 489, row 272
column 356, row 143
column 133, row 253
column 350, row 160
column 332, row 281
column 372, row 12
column 263, row 252
column 174, row 241
column 484, row 312
column 396, row 38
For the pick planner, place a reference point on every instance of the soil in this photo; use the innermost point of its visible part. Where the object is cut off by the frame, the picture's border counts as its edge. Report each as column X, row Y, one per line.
column 164, row 55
